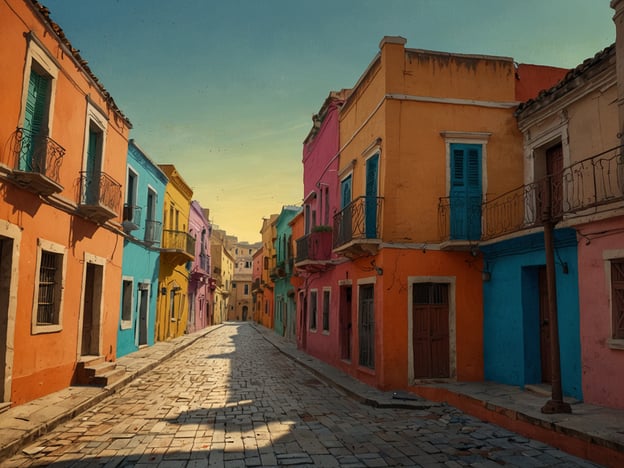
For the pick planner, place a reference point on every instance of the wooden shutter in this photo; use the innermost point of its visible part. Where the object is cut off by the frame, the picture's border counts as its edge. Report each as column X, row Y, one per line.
column 617, row 298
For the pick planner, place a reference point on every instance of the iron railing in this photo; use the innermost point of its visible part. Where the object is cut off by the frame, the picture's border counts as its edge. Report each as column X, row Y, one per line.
column 153, row 231
column 590, row 183
column 360, row 219
column 37, row 153
column 100, row 189
column 132, row 216
column 314, row 246
column 178, row 240
column 459, row 218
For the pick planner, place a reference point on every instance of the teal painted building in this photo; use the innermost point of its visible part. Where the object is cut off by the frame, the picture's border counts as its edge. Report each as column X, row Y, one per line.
column 284, row 294
column 142, row 223
column 515, row 324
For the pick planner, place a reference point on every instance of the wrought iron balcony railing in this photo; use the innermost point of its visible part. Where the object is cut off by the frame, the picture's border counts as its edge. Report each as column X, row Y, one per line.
column 586, row 184
column 360, row 219
column 316, row 246
column 100, row 195
column 459, row 218
column 40, row 155
column 179, row 241
column 131, row 217
column 153, row 231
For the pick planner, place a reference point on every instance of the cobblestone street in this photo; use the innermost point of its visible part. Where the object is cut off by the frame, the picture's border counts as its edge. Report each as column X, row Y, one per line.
column 233, row 400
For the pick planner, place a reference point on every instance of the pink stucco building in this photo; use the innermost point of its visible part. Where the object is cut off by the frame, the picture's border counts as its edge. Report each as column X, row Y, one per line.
column 200, row 293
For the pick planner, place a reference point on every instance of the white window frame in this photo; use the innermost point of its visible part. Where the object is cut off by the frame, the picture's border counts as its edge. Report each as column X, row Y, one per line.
column 44, row 60
column 309, row 304
column 467, row 138
column 96, row 117
column 48, row 246
column 608, row 256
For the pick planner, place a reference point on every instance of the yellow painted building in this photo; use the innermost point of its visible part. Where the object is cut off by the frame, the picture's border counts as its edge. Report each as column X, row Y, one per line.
column 177, row 250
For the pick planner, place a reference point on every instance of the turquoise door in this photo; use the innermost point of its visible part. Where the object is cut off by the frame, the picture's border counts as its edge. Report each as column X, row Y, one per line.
column 92, row 175
column 370, row 216
column 465, row 196
column 36, row 103
column 345, row 231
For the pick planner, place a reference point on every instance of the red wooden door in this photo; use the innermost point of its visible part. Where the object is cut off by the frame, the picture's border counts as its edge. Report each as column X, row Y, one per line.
column 544, row 326
column 554, row 169
column 430, row 330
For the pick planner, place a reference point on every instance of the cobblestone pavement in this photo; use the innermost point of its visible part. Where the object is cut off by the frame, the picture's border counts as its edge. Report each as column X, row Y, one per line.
column 233, row 400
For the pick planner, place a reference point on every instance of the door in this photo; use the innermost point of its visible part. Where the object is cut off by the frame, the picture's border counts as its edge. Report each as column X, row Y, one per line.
column 544, row 326
column 94, row 165
column 345, row 228
column 303, row 328
column 372, row 176
column 430, row 330
column 34, row 121
column 366, row 326
column 90, row 345
column 6, row 249
column 345, row 323
column 143, row 309
column 465, row 192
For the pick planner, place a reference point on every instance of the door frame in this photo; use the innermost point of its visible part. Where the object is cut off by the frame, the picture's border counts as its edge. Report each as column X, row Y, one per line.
column 94, row 260
column 14, row 234
column 451, row 281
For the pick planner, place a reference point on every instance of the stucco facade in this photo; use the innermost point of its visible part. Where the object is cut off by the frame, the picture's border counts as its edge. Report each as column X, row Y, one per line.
column 176, row 254
column 62, row 173
column 200, row 292
column 142, row 223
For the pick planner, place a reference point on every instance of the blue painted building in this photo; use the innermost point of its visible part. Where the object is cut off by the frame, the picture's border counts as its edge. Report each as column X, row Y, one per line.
column 142, row 223
column 515, row 321
column 284, row 294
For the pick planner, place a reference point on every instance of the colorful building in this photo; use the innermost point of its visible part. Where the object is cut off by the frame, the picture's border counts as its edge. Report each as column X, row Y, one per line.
column 222, row 273
column 63, row 168
column 573, row 181
column 176, row 254
column 142, row 223
column 284, row 294
column 256, row 278
column 264, row 292
column 424, row 137
column 200, row 291
column 241, row 304
column 321, row 273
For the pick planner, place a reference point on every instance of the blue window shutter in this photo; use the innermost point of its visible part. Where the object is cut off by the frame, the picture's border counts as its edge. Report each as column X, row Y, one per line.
column 465, row 196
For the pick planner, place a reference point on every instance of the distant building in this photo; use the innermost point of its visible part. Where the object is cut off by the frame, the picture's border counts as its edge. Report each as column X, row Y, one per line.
column 241, row 305
column 177, row 253
column 200, row 291
column 222, row 273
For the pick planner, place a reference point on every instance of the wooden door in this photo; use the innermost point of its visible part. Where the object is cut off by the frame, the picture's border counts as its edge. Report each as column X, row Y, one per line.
column 554, row 169
column 346, row 325
column 430, row 330
column 372, row 176
column 544, row 326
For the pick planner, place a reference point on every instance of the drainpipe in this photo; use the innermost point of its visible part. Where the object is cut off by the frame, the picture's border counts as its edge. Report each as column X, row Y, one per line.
column 556, row 403
column 618, row 19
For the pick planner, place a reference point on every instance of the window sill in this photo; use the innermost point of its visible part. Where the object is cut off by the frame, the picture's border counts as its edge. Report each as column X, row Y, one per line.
column 326, row 332
column 312, row 330
column 41, row 329
column 366, row 370
column 126, row 324
column 615, row 343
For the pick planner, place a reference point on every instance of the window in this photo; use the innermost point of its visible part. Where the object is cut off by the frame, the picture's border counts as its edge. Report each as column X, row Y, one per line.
column 246, row 290
column 617, row 298
column 49, row 286
column 366, row 326
column 172, row 315
column 126, row 303
column 312, row 309
column 326, row 296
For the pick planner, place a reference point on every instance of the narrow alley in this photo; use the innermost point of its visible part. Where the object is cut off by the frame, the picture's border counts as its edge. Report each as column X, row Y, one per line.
column 231, row 399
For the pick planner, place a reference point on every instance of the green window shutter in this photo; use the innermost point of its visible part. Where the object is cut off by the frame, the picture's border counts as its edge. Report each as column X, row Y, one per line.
column 457, row 173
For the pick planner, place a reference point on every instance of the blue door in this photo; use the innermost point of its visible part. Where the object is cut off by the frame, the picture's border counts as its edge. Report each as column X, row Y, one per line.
column 36, row 103
column 345, row 231
column 372, row 173
column 465, row 192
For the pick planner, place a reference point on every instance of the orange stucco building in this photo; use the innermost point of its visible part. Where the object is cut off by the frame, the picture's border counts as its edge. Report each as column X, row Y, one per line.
column 62, row 170
column 425, row 138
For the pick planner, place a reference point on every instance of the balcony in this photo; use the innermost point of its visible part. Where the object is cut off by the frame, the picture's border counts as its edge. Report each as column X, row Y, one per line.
column 314, row 251
column 459, row 222
column 178, row 246
column 357, row 228
column 131, row 218
column 256, row 286
column 100, row 196
column 201, row 268
column 586, row 187
column 279, row 271
column 153, row 231
column 38, row 162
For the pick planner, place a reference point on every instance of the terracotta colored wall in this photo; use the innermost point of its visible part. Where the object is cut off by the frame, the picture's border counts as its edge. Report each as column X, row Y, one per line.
column 44, row 363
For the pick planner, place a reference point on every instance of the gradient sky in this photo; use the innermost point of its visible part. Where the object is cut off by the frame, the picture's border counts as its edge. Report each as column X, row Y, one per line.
column 225, row 90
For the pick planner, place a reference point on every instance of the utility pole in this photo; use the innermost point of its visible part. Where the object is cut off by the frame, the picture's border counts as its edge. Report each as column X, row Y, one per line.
column 549, row 219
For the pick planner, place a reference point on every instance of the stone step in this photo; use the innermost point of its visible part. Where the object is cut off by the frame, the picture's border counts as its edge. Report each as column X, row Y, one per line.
column 108, row 378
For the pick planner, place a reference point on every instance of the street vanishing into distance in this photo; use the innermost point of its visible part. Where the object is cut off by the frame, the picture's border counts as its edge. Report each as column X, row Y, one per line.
column 233, row 400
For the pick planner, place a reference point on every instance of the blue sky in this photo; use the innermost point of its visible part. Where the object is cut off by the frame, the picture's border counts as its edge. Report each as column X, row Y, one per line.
column 225, row 90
